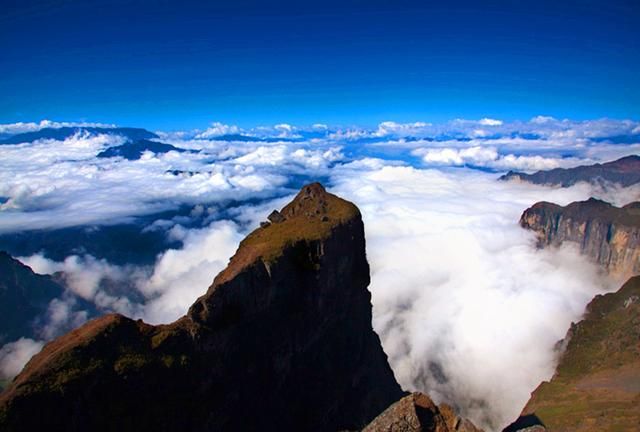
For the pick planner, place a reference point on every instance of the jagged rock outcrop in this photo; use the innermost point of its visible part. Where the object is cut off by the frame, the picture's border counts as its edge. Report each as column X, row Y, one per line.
column 596, row 386
column 624, row 171
column 282, row 340
column 609, row 235
column 24, row 296
column 418, row 413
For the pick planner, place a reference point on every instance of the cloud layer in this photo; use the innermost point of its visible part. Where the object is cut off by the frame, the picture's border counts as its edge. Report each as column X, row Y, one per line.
column 467, row 308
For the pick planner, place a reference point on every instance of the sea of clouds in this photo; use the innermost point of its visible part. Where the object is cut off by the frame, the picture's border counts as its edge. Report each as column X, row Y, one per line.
column 468, row 309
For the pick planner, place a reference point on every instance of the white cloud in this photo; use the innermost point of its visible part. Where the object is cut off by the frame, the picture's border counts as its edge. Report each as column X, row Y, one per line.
column 488, row 157
column 490, row 122
column 182, row 275
column 542, row 119
column 451, row 270
column 218, row 129
column 468, row 309
column 21, row 127
column 14, row 355
column 390, row 127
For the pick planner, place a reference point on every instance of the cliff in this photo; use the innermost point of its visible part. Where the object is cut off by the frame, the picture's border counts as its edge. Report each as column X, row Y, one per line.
column 624, row 171
column 282, row 340
column 609, row 235
column 596, row 386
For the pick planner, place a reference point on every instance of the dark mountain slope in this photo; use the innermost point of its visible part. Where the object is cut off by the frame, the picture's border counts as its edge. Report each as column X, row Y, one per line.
column 24, row 296
column 282, row 340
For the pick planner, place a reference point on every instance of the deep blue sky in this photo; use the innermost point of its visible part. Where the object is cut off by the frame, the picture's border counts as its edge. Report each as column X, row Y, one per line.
column 182, row 64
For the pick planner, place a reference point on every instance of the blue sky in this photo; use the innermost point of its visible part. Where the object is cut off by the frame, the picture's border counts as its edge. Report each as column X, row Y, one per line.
column 179, row 65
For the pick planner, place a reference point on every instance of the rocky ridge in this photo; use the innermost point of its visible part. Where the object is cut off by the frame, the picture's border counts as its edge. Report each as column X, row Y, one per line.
column 609, row 235
column 281, row 340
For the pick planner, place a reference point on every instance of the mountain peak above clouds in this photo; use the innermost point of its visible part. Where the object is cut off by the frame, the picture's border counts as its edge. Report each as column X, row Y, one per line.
column 290, row 316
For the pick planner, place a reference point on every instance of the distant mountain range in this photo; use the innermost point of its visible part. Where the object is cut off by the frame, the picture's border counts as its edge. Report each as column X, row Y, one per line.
column 60, row 134
column 134, row 150
column 138, row 140
column 624, row 171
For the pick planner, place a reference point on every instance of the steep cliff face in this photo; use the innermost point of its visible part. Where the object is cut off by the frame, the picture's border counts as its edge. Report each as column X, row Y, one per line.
column 281, row 340
column 624, row 171
column 609, row 235
column 418, row 413
column 597, row 383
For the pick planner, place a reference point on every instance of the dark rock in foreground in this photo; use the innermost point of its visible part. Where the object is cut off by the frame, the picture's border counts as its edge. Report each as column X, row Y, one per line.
column 418, row 413
column 282, row 340
column 624, row 171
column 609, row 235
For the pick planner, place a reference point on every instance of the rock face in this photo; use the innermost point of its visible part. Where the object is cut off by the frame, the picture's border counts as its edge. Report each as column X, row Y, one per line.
column 597, row 383
column 624, row 171
column 418, row 413
column 609, row 235
column 24, row 295
column 282, row 340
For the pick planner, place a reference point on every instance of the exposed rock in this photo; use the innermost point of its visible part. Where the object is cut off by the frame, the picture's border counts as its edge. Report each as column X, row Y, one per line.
column 276, row 217
column 418, row 413
column 596, row 386
column 282, row 340
column 609, row 235
column 624, row 171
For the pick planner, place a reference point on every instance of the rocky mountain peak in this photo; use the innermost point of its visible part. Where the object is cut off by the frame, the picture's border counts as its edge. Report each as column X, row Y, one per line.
column 282, row 340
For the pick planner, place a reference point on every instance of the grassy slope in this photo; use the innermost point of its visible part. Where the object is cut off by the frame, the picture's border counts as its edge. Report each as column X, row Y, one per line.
column 597, row 383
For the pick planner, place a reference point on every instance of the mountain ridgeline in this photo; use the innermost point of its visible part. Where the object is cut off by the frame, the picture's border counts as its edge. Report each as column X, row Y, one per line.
column 282, row 340
column 624, row 172
column 62, row 133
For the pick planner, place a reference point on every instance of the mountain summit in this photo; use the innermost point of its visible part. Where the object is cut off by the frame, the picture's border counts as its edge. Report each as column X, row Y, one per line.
column 282, row 340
